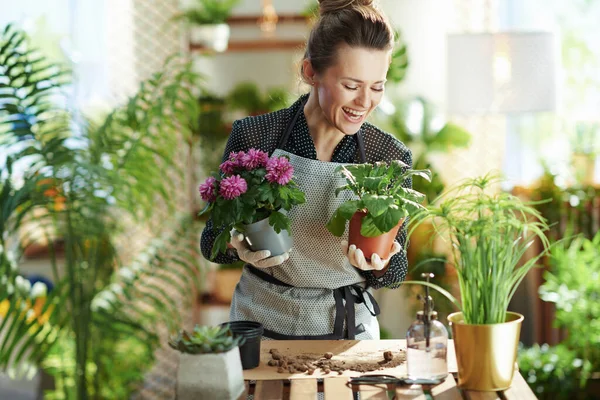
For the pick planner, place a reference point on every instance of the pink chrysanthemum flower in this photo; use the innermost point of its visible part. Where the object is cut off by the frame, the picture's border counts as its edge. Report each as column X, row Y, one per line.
column 254, row 159
column 228, row 167
column 208, row 190
column 232, row 187
column 279, row 170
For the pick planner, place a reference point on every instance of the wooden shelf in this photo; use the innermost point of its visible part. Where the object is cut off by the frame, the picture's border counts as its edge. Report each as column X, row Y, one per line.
column 259, row 44
column 251, row 45
column 255, row 19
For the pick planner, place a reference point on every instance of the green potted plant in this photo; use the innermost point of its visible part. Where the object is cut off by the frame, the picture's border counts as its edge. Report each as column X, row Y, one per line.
column 209, row 365
column 380, row 205
column 207, row 22
column 489, row 233
column 252, row 193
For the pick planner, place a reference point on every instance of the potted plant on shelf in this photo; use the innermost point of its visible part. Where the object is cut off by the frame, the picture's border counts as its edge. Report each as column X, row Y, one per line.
column 207, row 22
column 381, row 207
column 209, row 365
column 252, row 194
column 489, row 235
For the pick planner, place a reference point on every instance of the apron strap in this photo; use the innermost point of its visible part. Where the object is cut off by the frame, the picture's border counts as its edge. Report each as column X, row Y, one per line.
column 343, row 312
column 362, row 155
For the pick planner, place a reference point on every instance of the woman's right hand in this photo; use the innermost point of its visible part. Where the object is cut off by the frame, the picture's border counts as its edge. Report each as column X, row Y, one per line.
column 261, row 258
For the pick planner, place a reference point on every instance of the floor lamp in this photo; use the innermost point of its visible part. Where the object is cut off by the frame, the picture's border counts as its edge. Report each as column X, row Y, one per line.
column 510, row 73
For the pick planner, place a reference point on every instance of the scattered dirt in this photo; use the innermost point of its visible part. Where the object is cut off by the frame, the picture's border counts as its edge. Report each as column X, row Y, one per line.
column 328, row 362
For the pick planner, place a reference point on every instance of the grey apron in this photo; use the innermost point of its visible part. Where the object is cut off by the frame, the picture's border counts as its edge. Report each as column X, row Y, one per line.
column 316, row 293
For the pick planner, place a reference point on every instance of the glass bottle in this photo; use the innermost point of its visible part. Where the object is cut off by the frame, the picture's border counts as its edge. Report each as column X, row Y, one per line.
column 427, row 342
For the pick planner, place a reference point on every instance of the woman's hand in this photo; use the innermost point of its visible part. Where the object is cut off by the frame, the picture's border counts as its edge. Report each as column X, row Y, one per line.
column 358, row 260
column 260, row 259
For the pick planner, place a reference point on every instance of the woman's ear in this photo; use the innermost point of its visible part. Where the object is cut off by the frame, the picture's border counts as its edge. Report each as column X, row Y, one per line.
column 308, row 72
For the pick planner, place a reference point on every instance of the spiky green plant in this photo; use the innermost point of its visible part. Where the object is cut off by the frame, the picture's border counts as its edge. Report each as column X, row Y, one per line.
column 488, row 234
column 205, row 339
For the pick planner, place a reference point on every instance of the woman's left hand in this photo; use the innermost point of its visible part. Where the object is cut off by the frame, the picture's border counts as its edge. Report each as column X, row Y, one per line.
column 358, row 260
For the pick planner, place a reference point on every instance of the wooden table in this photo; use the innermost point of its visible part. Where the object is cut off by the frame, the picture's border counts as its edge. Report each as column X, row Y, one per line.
column 265, row 383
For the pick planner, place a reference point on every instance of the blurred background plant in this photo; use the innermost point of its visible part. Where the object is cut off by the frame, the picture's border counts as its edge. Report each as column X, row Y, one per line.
column 572, row 284
column 76, row 182
column 207, row 12
column 250, row 100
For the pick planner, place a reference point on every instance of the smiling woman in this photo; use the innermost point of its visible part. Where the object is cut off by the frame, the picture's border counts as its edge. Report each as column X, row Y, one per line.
column 321, row 290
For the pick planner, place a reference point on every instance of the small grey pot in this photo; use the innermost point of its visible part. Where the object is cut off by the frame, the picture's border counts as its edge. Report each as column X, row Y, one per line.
column 210, row 376
column 261, row 236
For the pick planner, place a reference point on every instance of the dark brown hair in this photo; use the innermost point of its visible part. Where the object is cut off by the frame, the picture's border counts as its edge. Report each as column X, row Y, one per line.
column 357, row 23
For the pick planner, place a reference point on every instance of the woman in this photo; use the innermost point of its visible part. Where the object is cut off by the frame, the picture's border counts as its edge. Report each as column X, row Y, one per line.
column 319, row 291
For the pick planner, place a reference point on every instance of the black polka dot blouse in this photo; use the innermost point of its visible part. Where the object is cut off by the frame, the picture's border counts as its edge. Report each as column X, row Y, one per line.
column 264, row 132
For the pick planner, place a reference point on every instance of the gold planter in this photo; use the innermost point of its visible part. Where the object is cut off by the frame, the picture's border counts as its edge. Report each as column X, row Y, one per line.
column 486, row 354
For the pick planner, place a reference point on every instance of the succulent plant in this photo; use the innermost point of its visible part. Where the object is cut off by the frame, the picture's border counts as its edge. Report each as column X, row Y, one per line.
column 205, row 339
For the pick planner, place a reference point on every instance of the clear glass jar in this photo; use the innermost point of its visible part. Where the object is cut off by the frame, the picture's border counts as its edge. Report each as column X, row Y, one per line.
column 427, row 348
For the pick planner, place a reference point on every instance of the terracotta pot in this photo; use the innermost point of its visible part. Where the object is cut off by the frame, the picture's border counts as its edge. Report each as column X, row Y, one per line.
column 381, row 244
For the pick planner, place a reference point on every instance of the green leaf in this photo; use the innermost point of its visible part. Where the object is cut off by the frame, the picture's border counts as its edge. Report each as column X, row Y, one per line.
column 376, row 204
column 220, row 244
column 368, row 227
column 373, row 184
column 389, row 219
column 337, row 223
column 279, row 221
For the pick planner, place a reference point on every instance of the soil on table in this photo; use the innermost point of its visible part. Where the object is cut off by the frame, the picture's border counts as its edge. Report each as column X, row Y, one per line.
column 328, row 362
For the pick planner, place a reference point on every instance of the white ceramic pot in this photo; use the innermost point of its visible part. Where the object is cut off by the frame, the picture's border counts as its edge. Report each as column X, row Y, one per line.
column 214, row 37
column 210, row 376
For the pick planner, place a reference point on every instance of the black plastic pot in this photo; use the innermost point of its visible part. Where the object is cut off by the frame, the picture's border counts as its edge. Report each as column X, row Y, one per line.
column 252, row 333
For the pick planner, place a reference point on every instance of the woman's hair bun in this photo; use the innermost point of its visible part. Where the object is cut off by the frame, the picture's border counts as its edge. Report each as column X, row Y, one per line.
column 329, row 6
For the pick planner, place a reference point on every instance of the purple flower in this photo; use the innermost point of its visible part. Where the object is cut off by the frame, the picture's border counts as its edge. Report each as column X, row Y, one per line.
column 279, row 170
column 235, row 161
column 232, row 187
column 228, row 167
column 254, row 159
column 208, row 190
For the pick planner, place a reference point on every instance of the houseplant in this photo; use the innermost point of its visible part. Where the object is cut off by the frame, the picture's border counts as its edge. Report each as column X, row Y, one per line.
column 572, row 285
column 489, row 233
column 381, row 206
column 251, row 194
column 106, row 175
column 207, row 22
column 209, row 365
column 248, row 98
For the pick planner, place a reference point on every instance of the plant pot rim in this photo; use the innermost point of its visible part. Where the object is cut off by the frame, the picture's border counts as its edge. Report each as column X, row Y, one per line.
column 511, row 316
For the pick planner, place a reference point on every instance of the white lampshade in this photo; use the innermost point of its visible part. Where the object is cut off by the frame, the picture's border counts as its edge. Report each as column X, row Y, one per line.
column 501, row 72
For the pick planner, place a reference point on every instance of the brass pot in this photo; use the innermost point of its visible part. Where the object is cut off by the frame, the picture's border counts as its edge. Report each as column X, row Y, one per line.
column 486, row 354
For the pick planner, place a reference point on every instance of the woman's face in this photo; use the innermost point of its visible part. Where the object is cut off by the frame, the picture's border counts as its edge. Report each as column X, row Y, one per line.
column 349, row 90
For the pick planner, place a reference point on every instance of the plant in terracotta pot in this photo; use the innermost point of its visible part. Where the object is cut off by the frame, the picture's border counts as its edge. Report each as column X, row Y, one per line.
column 491, row 237
column 210, row 366
column 251, row 194
column 381, row 205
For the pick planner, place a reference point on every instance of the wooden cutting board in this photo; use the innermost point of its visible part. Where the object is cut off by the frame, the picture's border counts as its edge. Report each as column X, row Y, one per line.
column 343, row 350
